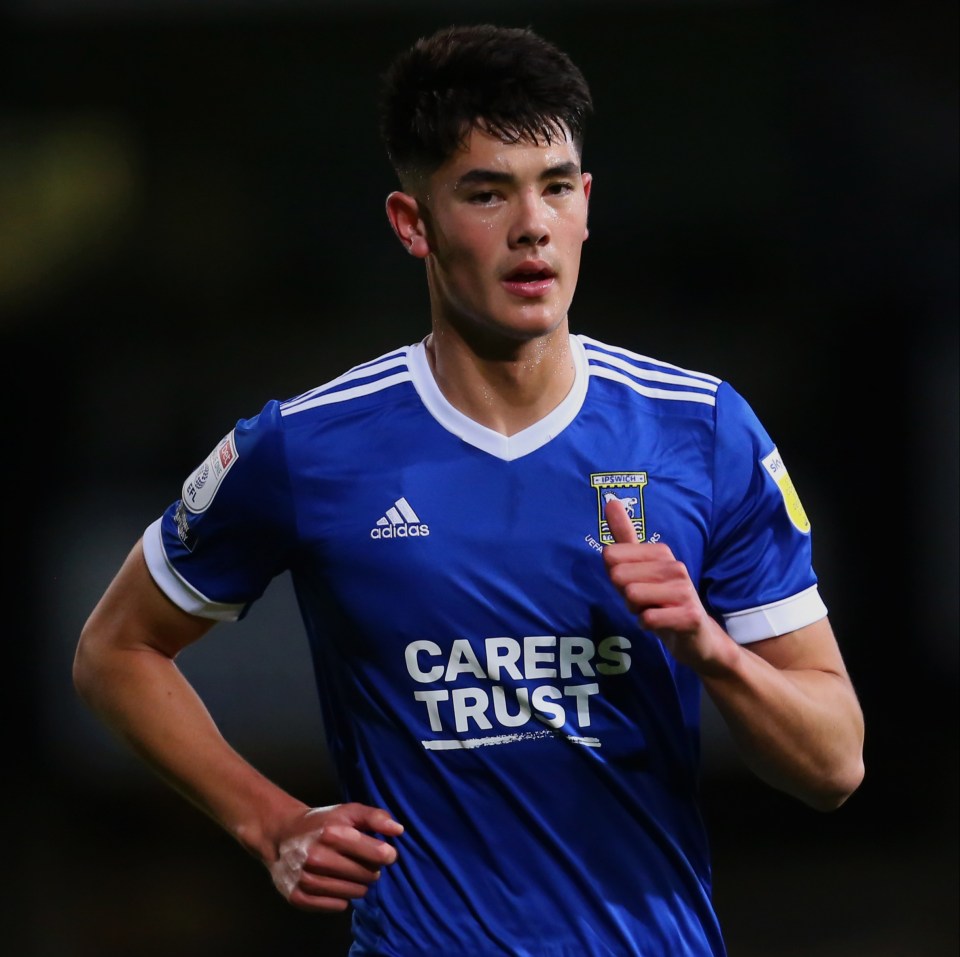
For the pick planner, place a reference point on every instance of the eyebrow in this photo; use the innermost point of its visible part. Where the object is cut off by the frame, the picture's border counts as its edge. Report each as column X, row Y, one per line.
column 474, row 176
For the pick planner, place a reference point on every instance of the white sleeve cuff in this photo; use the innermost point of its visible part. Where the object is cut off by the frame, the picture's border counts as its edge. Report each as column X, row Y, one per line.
column 176, row 588
column 777, row 618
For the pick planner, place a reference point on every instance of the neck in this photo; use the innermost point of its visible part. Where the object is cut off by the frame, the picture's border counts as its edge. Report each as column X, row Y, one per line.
column 508, row 389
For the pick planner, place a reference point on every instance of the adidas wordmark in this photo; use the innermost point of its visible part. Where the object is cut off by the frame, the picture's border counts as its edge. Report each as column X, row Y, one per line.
column 401, row 521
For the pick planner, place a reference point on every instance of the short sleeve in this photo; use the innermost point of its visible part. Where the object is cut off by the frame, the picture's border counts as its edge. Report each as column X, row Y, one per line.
column 217, row 547
column 759, row 574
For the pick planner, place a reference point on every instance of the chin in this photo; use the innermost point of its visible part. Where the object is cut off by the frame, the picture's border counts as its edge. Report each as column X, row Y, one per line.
column 524, row 329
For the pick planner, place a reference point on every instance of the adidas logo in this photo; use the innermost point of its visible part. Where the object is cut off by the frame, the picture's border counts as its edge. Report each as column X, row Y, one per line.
column 401, row 521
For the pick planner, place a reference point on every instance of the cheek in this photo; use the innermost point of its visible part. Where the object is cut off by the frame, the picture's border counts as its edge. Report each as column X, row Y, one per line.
column 569, row 242
column 473, row 249
column 573, row 238
column 463, row 267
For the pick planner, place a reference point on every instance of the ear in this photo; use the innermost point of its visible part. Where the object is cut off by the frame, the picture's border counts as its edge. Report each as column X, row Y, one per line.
column 403, row 211
column 587, row 180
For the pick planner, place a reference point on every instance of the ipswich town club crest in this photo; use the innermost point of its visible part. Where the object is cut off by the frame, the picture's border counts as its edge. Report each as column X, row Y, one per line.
column 626, row 486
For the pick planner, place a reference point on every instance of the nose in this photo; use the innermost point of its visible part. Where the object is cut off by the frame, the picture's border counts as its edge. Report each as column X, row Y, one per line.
column 530, row 224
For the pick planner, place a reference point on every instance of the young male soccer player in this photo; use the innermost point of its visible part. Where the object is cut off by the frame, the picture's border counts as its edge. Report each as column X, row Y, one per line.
column 519, row 554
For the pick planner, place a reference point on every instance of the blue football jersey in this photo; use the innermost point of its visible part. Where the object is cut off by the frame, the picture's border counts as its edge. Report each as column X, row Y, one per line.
column 479, row 676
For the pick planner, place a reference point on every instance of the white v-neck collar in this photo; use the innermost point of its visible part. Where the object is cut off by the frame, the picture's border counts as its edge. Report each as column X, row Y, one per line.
column 487, row 440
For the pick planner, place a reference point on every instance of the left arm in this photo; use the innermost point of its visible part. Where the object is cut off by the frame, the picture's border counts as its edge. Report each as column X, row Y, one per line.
column 788, row 701
column 794, row 714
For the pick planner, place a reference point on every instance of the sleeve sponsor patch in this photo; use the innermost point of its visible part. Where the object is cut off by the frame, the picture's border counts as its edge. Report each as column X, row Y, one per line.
column 202, row 485
column 773, row 463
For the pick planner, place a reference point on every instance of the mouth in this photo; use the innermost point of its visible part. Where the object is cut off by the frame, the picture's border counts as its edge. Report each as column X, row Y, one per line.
column 530, row 279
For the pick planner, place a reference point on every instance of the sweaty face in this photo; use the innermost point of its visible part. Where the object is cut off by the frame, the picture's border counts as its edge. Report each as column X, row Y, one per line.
column 506, row 223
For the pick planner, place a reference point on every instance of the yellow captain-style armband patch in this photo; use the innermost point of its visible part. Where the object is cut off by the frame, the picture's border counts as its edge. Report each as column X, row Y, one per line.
column 773, row 463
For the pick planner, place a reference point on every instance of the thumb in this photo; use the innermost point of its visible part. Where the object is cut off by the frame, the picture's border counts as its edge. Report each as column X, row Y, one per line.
column 619, row 522
column 372, row 819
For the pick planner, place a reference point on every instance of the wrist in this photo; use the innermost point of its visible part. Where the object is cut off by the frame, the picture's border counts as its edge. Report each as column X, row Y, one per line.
column 265, row 821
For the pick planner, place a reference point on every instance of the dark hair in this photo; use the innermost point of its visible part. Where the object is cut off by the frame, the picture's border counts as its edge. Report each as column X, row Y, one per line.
column 506, row 81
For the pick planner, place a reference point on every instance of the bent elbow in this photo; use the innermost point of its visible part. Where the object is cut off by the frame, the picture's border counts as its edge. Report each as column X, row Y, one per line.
column 843, row 773
column 81, row 672
column 86, row 667
column 836, row 789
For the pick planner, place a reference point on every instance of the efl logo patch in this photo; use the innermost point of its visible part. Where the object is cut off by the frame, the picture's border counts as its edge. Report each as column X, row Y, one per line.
column 199, row 488
column 626, row 486
column 778, row 472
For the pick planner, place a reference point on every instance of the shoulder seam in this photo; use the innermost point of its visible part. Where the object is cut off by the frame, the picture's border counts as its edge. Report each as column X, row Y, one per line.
column 649, row 377
column 367, row 378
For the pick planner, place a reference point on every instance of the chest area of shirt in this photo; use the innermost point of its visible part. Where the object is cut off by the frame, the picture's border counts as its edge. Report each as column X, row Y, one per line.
column 441, row 509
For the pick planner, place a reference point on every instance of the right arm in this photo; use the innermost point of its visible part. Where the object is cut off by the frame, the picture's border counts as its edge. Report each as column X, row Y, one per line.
column 125, row 671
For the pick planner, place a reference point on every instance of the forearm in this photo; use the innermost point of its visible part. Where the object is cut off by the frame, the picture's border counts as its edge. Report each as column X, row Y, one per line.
column 787, row 700
column 799, row 729
column 144, row 698
column 125, row 670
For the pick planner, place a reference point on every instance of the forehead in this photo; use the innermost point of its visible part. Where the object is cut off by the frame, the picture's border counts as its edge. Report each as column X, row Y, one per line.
column 481, row 151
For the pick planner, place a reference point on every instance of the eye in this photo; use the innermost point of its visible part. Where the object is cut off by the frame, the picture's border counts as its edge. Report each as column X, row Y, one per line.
column 559, row 188
column 483, row 198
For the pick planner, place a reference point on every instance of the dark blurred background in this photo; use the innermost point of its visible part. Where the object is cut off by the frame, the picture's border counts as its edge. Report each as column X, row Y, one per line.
column 191, row 222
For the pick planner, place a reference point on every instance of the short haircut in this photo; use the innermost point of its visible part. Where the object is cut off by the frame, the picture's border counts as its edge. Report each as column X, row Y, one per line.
column 505, row 81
